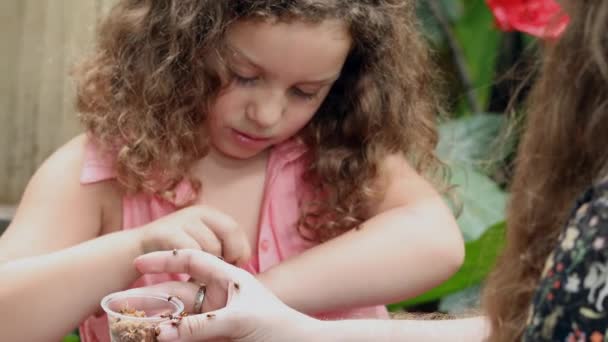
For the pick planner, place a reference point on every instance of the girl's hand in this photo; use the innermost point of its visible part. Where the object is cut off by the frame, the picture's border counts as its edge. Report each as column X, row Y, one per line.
column 197, row 227
column 252, row 313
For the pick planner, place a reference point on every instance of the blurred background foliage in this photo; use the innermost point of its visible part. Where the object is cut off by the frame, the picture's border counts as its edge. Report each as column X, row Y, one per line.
column 483, row 70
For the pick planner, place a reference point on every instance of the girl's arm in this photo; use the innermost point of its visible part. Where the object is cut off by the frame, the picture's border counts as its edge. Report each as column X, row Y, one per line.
column 46, row 280
column 409, row 245
column 458, row 330
column 63, row 287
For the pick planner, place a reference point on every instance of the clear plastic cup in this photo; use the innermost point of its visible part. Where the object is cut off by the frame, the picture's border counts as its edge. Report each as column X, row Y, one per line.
column 134, row 316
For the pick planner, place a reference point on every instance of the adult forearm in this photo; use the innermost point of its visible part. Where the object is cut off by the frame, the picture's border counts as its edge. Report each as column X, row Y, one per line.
column 44, row 297
column 465, row 330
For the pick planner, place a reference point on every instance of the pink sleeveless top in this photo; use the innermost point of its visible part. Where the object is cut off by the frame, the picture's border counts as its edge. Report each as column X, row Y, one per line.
column 278, row 239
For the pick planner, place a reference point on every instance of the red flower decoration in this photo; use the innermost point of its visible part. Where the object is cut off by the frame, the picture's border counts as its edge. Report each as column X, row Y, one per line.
column 540, row 18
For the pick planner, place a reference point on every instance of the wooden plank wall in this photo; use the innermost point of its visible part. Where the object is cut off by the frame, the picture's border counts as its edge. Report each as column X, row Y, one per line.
column 41, row 41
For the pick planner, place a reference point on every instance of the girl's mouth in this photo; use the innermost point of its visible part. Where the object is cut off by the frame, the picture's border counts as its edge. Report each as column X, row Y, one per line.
column 250, row 141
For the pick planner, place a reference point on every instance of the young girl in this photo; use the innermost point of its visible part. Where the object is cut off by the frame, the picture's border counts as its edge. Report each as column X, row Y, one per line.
column 253, row 130
column 551, row 282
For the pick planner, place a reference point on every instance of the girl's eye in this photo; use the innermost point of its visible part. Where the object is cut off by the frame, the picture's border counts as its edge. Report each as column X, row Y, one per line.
column 304, row 95
column 250, row 81
column 246, row 81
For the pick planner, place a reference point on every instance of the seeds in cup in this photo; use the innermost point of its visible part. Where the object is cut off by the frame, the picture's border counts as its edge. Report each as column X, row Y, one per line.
column 134, row 317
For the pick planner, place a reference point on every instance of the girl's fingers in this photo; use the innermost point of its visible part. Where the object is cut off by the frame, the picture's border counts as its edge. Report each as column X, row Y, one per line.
column 184, row 241
column 233, row 241
column 206, row 239
column 214, row 218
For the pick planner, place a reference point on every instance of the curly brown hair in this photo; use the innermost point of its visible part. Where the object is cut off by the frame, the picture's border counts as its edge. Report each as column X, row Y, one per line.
column 144, row 93
column 562, row 153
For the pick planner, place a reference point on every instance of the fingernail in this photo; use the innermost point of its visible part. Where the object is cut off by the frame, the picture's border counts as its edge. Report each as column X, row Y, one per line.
column 167, row 333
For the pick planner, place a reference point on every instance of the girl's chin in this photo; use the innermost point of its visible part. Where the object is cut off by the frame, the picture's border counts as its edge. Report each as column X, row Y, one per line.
column 238, row 153
column 234, row 145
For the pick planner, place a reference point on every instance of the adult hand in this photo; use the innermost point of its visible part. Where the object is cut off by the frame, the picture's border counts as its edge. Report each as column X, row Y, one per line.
column 251, row 314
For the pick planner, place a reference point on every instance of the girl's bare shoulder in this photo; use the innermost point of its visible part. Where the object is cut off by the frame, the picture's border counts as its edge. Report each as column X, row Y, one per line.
column 57, row 211
column 66, row 166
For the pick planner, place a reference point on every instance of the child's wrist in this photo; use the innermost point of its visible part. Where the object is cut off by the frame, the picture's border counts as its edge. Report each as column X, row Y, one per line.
column 145, row 240
column 137, row 241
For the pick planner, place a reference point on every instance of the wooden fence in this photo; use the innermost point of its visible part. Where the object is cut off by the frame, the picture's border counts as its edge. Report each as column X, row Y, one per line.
column 41, row 41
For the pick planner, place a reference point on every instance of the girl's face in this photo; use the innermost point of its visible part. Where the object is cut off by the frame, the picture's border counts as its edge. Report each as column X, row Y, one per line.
column 281, row 73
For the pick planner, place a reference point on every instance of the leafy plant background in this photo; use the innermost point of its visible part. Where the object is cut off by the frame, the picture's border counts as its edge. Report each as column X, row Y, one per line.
column 479, row 64
column 484, row 69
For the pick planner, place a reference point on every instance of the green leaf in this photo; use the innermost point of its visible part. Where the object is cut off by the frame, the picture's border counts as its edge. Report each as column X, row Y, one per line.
column 479, row 260
column 71, row 338
column 462, row 301
column 430, row 28
column 465, row 145
column 482, row 203
column 480, row 42
column 452, row 9
column 470, row 139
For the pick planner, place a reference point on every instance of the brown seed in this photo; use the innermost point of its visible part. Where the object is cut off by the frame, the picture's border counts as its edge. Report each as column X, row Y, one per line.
column 176, row 321
column 172, row 297
column 174, row 251
column 237, row 286
column 219, row 257
column 183, row 314
column 210, row 315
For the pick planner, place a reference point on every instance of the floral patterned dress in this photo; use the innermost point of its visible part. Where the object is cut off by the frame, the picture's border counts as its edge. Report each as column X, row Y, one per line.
column 571, row 302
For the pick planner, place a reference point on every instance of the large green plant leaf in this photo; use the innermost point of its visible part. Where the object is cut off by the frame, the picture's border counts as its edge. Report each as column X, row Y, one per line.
column 480, row 44
column 470, row 139
column 480, row 202
column 430, row 28
column 466, row 144
column 480, row 258
column 453, row 9
column 71, row 338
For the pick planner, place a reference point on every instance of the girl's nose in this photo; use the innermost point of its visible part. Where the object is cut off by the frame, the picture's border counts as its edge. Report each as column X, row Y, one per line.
column 266, row 111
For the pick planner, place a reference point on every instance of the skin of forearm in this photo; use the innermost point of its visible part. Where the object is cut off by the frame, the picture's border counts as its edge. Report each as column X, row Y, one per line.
column 47, row 296
column 473, row 329
column 394, row 256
